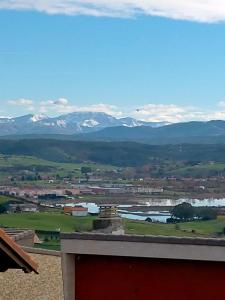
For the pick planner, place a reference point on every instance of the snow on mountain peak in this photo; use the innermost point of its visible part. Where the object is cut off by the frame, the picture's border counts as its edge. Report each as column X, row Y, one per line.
column 38, row 117
column 61, row 123
column 90, row 123
column 73, row 123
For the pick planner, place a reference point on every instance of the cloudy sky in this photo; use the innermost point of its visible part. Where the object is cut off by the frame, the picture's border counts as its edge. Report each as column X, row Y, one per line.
column 154, row 60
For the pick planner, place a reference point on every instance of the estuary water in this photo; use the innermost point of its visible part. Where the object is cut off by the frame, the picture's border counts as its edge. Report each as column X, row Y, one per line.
column 156, row 215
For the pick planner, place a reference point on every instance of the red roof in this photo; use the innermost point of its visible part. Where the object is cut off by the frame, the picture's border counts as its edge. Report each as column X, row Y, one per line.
column 74, row 208
column 77, row 208
column 13, row 256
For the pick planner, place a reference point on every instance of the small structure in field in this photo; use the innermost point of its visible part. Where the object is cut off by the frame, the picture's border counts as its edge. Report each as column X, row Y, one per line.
column 109, row 221
column 79, row 211
column 76, row 211
column 108, row 211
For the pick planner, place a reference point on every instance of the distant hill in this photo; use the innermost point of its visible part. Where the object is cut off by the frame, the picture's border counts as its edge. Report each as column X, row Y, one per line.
column 112, row 153
column 190, row 132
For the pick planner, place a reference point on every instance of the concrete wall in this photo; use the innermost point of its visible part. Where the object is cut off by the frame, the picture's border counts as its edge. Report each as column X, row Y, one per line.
column 27, row 241
column 47, row 285
column 79, row 213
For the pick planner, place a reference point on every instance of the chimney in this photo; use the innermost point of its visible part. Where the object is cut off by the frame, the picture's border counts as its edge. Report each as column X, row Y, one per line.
column 109, row 220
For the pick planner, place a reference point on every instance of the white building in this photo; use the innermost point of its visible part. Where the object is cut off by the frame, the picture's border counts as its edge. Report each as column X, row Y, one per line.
column 79, row 211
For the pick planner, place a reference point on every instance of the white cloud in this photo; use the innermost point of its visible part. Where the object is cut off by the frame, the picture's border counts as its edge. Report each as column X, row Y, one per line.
column 150, row 112
column 175, row 113
column 63, row 105
column 61, row 101
column 101, row 107
column 195, row 10
column 161, row 113
column 21, row 102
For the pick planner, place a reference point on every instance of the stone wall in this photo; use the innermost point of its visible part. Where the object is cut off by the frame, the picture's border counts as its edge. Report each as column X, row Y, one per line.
column 47, row 285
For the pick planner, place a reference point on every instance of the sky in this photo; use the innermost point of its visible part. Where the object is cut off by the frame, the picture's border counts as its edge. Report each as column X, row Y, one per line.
column 154, row 60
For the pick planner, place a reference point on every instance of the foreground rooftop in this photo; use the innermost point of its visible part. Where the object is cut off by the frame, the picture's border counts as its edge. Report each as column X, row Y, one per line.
column 12, row 256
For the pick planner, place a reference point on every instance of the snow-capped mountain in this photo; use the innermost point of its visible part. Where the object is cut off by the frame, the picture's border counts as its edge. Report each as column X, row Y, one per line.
column 72, row 123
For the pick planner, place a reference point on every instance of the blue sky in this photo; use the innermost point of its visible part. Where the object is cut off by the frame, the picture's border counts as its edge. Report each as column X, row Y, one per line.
column 149, row 67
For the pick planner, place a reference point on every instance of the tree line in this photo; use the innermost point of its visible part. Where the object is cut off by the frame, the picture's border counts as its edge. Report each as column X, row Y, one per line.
column 186, row 212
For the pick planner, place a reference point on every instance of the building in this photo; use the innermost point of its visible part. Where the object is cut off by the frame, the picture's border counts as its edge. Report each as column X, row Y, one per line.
column 25, row 207
column 147, row 190
column 76, row 211
column 79, row 211
column 68, row 210
column 100, row 267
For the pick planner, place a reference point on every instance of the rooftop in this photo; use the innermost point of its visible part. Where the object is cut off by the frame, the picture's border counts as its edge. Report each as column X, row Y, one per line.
column 12, row 255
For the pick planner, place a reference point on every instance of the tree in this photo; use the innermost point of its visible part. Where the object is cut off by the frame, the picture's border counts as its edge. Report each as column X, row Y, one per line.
column 3, row 209
column 148, row 220
column 183, row 211
column 206, row 213
column 85, row 170
column 128, row 173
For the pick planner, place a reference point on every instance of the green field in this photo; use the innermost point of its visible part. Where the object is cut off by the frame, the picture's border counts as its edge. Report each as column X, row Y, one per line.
column 4, row 199
column 57, row 221
column 27, row 161
column 196, row 228
column 18, row 165
column 199, row 170
column 46, row 221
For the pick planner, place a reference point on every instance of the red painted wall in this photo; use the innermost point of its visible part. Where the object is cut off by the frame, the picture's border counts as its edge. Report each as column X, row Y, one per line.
column 115, row 278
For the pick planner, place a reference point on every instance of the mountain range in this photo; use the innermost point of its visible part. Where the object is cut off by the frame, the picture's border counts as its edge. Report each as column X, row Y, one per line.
column 68, row 124
column 99, row 126
column 178, row 133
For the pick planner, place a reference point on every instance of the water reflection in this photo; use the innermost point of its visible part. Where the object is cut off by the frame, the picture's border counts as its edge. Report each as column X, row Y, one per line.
column 154, row 218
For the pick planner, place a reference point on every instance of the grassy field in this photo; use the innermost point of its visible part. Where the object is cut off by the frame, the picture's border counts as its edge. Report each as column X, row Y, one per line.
column 196, row 228
column 62, row 169
column 4, row 199
column 46, row 221
column 200, row 169
column 58, row 221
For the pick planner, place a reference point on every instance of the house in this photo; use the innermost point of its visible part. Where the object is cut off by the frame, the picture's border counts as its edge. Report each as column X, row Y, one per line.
column 25, row 207
column 79, row 211
column 68, row 210
column 76, row 211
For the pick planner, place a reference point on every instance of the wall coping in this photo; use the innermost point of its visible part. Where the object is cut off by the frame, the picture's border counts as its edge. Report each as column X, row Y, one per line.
column 42, row 251
column 144, row 239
